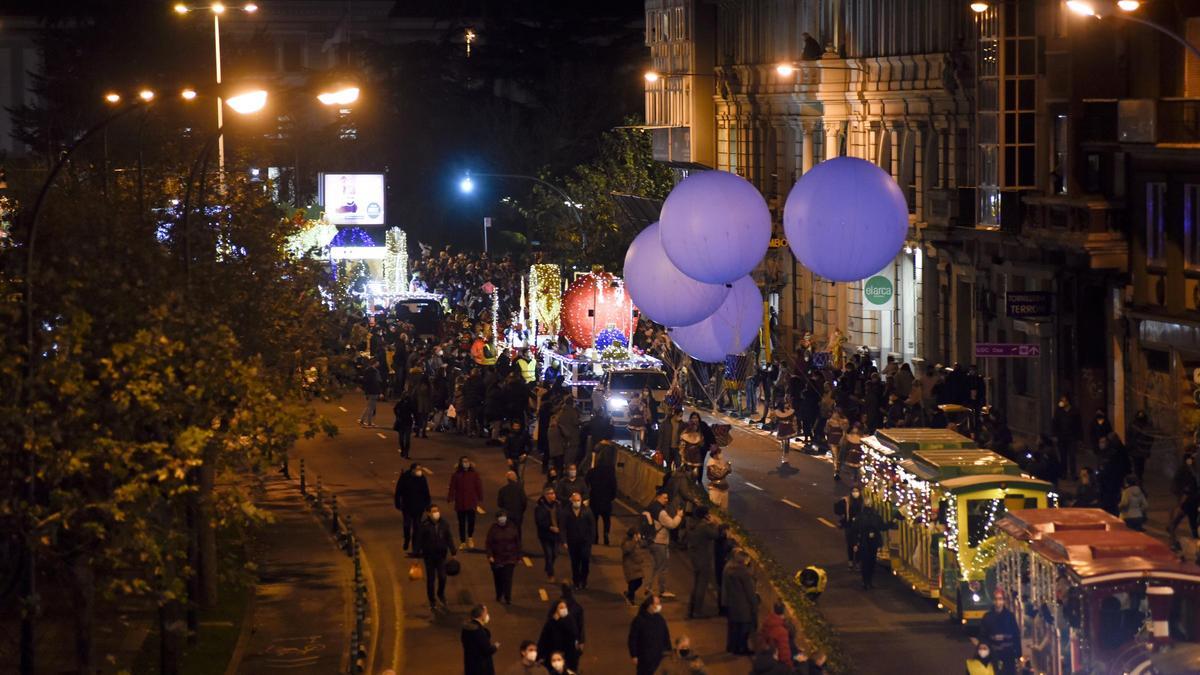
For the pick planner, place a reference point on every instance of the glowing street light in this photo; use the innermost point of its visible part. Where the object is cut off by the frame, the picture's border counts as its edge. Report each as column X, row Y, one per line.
column 1081, row 7
column 249, row 102
column 1105, row 8
column 651, row 76
column 112, row 97
column 785, row 69
column 250, row 8
column 181, row 8
column 217, row 8
column 1128, row 5
column 980, row 7
column 466, row 185
column 344, row 96
column 188, row 94
column 146, row 95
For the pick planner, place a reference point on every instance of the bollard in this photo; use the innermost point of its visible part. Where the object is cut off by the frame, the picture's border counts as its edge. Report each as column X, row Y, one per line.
column 284, row 468
column 320, row 498
column 303, row 485
column 333, row 508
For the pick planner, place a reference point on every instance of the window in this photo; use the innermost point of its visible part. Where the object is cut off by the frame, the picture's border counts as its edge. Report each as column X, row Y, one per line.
column 1156, row 235
column 1191, row 226
column 1158, row 360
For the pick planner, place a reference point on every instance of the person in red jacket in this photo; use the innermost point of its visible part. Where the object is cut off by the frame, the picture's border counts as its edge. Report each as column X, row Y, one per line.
column 503, row 547
column 466, row 491
column 774, row 630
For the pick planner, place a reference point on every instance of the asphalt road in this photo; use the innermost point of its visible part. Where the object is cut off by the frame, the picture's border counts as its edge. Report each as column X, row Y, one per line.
column 361, row 466
column 790, row 508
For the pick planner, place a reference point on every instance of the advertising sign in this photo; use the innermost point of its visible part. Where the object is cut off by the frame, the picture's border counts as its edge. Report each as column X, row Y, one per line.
column 1006, row 350
column 353, row 198
column 878, row 293
column 1028, row 304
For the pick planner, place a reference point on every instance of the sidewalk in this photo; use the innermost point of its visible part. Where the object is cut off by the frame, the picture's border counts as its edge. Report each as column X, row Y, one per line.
column 300, row 617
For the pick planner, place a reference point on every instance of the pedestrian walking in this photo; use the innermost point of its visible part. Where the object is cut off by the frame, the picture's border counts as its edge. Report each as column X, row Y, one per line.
column 560, row 635
column 546, row 517
column 517, row 445
column 435, row 543
column 636, row 424
column 575, row 613
column 503, row 546
column 512, row 500
column 372, row 386
column 717, row 470
column 557, row 665
column 1141, row 442
column 633, row 563
column 412, row 499
column 402, row 424
column 868, row 538
column 564, row 434
column 661, row 521
column 579, row 531
column 847, row 509
column 785, row 426
column 477, row 644
column 1067, row 430
column 572, row 482
column 1186, row 489
column 601, row 482
column 1133, row 504
column 649, row 636
column 527, row 663
column 466, row 493
column 702, row 535
column 739, row 595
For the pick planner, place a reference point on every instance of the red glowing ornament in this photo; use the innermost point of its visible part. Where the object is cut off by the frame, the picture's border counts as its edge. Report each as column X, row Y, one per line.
column 594, row 302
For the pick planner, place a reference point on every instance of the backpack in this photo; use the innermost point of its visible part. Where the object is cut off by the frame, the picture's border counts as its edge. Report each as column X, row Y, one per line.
column 647, row 528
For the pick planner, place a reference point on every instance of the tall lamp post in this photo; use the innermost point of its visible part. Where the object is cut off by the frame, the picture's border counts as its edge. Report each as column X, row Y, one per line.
column 1122, row 10
column 217, row 9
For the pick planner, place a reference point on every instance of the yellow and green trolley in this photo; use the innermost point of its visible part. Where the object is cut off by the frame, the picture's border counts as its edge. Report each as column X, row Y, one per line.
column 943, row 496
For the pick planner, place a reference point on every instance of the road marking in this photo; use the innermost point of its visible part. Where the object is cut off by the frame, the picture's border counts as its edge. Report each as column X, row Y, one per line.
column 792, row 504
column 342, row 409
column 528, row 562
column 752, row 485
column 381, row 435
column 542, row 595
column 826, row 523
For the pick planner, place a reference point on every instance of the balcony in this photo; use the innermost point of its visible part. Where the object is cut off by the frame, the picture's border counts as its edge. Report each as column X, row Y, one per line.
column 1141, row 120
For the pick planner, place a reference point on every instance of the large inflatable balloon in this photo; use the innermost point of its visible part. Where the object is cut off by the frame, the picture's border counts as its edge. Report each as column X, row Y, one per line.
column 730, row 330
column 846, row 219
column 660, row 291
column 715, row 227
column 596, row 301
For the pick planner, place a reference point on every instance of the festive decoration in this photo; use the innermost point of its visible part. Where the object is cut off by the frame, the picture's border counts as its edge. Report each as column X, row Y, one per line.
column 395, row 263
column 610, row 336
column 351, row 237
column 715, row 227
column 845, row 219
column 596, row 300
column 495, row 313
column 660, row 291
column 615, row 352
column 545, row 302
column 730, row 330
column 316, row 235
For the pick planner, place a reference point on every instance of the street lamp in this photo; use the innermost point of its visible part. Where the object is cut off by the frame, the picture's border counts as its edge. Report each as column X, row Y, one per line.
column 980, row 7
column 343, row 96
column 248, row 102
column 1100, row 10
column 466, row 185
column 112, row 97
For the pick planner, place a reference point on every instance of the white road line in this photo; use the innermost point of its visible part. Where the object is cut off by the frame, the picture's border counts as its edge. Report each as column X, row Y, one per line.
column 752, row 485
column 342, row 409
column 528, row 562
column 792, row 504
column 381, row 435
column 826, row 523
column 542, row 595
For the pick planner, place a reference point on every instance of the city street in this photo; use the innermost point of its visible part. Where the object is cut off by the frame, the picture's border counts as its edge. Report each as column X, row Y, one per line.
column 791, row 509
column 361, row 465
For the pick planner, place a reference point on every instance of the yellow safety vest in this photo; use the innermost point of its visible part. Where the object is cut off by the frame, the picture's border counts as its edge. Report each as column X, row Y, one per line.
column 976, row 667
column 527, row 369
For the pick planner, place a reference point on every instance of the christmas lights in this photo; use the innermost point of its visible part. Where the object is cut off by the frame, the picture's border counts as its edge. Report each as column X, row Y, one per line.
column 545, row 303
column 596, row 300
column 611, row 336
column 395, row 262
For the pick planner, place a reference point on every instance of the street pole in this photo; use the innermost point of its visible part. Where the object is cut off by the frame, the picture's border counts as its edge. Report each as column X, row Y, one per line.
column 487, row 222
column 220, row 103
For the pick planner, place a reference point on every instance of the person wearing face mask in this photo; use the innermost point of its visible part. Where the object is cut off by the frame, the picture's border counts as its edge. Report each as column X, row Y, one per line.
column 477, row 644
column 579, row 531
column 547, row 516
column 503, row 546
column 527, row 664
column 466, row 493
column 558, row 665
column 847, row 509
column 435, row 542
column 573, row 482
column 1000, row 635
column 981, row 662
column 574, row 612
column 560, row 635
column 649, row 636
column 412, row 499
column 512, row 498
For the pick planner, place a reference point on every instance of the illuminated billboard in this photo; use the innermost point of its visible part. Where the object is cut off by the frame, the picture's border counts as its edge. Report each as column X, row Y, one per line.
column 353, row 198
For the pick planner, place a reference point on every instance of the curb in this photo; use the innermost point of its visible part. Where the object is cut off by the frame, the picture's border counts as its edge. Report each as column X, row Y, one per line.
column 239, row 647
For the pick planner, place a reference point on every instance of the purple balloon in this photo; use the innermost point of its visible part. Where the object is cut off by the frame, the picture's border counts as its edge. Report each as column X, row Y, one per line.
column 730, row 330
column 846, row 219
column 715, row 227
column 660, row 291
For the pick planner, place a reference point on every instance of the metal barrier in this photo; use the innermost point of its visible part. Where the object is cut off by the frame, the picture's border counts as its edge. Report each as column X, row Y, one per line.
column 342, row 529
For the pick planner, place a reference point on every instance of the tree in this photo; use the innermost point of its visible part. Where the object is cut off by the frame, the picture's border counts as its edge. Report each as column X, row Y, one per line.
column 625, row 166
